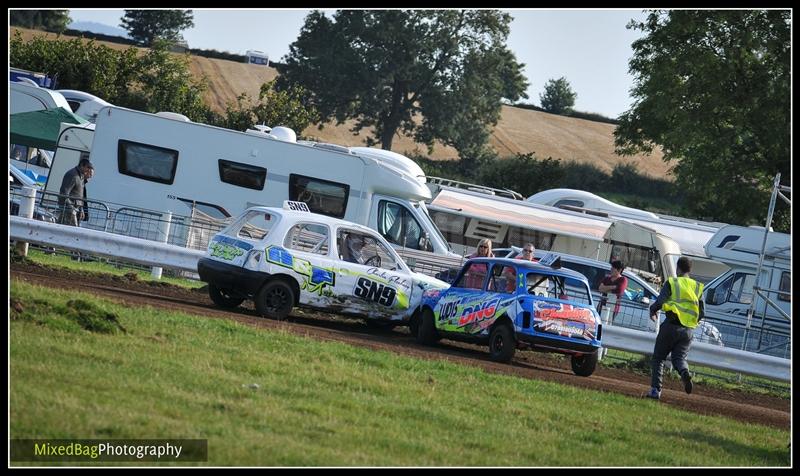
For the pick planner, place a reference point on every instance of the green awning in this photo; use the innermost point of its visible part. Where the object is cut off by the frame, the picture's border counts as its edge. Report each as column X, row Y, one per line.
column 40, row 128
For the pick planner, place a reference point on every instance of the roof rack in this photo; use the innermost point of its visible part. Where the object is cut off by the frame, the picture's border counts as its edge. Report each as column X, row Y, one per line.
column 502, row 192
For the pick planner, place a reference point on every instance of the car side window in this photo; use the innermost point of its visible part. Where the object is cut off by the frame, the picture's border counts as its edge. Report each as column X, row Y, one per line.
column 362, row 248
column 502, row 280
column 473, row 277
column 308, row 237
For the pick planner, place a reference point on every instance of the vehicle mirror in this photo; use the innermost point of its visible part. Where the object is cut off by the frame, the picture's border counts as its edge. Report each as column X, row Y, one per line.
column 651, row 266
column 645, row 300
column 411, row 263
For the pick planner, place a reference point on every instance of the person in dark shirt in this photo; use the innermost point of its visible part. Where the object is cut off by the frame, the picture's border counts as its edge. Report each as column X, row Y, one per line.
column 615, row 283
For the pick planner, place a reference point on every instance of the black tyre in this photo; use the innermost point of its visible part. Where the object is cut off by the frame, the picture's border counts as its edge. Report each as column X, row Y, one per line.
column 427, row 333
column 275, row 300
column 584, row 365
column 502, row 345
column 223, row 297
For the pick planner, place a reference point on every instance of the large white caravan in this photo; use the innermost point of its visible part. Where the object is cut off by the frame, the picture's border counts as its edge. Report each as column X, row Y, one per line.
column 466, row 216
column 691, row 235
column 166, row 163
column 728, row 298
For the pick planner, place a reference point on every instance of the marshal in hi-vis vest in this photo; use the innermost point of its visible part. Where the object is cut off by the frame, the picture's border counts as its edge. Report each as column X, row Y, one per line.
column 685, row 300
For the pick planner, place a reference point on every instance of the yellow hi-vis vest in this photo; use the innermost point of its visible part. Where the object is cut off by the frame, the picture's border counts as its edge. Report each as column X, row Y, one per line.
column 685, row 300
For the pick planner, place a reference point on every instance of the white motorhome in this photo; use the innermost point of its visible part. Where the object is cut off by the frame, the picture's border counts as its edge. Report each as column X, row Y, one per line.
column 728, row 298
column 467, row 216
column 164, row 162
column 691, row 235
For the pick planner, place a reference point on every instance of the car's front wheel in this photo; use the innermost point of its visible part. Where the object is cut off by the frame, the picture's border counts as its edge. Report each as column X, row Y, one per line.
column 584, row 364
column 502, row 345
column 427, row 333
column 275, row 300
column 223, row 297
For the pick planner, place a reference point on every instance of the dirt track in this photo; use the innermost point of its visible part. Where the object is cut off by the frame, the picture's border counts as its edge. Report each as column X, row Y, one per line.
column 705, row 400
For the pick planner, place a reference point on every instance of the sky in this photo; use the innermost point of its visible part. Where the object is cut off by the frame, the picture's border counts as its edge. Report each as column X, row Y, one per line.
column 590, row 48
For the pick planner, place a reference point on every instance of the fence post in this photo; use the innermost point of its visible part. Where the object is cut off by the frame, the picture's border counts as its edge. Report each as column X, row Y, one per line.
column 163, row 231
column 26, row 206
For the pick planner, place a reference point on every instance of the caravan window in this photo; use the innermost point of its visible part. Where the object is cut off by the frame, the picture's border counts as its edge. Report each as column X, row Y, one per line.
column 785, row 286
column 737, row 288
column 242, row 175
column 398, row 225
column 321, row 196
column 147, row 162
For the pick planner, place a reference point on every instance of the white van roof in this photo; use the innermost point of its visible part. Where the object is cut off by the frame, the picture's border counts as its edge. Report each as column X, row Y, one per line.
column 741, row 246
column 26, row 98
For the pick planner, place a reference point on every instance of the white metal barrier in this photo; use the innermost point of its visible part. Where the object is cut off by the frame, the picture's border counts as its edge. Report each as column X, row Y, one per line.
column 153, row 253
column 137, row 250
column 707, row 355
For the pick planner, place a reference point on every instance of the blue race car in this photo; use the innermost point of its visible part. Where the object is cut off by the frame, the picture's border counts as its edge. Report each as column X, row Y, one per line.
column 508, row 303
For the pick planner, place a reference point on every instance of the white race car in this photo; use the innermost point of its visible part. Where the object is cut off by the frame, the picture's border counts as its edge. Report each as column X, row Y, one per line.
column 284, row 257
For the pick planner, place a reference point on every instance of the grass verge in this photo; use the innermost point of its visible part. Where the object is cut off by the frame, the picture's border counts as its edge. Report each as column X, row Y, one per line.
column 276, row 399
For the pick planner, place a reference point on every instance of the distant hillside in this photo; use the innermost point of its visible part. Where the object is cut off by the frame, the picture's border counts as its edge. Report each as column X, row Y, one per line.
column 518, row 131
column 101, row 28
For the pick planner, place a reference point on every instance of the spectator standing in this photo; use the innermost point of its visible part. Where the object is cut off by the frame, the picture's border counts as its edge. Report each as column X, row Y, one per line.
column 71, row 194
column 527, row 253
column 615, row 283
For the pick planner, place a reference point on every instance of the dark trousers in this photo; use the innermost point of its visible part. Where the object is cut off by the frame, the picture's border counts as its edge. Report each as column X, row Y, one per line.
column 673, row 338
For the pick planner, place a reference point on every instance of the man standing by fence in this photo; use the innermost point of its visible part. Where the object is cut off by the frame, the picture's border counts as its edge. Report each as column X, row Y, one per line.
column 680, row 300
column 70, row 200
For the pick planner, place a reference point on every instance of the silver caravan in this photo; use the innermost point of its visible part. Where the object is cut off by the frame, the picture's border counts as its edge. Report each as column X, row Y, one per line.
column 729, row 297
column 691, row 235
column 466, row 216
column 164, row 162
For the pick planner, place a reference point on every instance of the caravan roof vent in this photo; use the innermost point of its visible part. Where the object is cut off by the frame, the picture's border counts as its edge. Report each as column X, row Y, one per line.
column 285, row 134
column 173, row 115
column 334, row 147
column 260, row 130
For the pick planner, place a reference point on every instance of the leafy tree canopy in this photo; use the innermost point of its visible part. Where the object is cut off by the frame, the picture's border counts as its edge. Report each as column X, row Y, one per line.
column 712, row 88
column 48, row 20
column 558, row 97
column 430, row 74
column 145, row 26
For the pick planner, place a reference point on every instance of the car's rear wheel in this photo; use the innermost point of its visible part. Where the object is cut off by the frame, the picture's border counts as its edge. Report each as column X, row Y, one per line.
column 275, row 300
column 502, row 345
column 584, row 364
column 427, row 333
column 223, row 297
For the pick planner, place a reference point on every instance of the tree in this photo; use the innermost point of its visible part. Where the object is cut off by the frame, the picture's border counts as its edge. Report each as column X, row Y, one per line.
column 274, row 108
column 48, row 20
column 386, row 68
column 712, row 89
column 145, row 26
column 558, row 97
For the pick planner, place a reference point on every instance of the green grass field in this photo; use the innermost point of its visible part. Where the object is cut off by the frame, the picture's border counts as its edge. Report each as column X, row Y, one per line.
column 87, row 368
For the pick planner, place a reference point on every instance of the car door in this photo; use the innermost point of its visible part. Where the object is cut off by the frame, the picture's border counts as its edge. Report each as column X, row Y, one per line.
column 370, row 278
column 305, row 254
column 465, row 302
